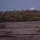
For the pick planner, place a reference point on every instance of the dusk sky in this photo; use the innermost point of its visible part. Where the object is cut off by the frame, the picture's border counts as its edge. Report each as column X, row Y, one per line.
column 7, row 5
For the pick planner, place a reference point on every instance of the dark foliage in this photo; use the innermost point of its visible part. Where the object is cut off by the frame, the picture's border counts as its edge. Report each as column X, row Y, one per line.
column 18, row 16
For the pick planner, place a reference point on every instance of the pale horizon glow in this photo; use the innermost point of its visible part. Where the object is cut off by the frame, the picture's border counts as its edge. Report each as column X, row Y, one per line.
column 32, row 8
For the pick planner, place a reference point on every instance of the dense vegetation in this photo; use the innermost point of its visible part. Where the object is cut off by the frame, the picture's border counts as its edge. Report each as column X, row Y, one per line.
column 17, row 16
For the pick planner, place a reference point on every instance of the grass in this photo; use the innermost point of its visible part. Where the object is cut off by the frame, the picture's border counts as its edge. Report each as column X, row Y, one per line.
column 2, row 25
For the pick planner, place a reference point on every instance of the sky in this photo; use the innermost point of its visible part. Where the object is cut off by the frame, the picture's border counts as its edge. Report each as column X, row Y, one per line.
column 8, row 5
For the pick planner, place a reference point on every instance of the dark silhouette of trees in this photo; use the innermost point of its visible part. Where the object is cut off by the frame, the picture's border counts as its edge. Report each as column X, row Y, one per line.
column 18, row 16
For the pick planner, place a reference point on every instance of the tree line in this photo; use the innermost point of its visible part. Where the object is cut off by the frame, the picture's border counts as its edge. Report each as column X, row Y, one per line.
column 19, row 16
